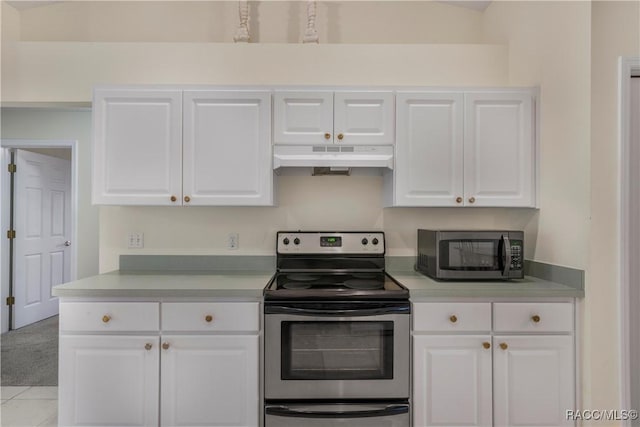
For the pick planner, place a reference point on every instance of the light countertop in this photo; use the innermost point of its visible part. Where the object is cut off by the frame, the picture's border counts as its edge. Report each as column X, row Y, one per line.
column 421, row 286
column 245, row 285
column 248, row 285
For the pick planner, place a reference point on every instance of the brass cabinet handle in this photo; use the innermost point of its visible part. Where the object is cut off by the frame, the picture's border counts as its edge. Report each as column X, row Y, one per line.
column 106, row 318
column 535, row 318
column 174, row 198
column 165, row 345
column 208, row 318
column 148, row 346
column 327, row 135
column 453, row 318
column 504, row 345
column 486, row 345
column 472, row 199
column 187, row 199
column 340, row 136
column 458, row 199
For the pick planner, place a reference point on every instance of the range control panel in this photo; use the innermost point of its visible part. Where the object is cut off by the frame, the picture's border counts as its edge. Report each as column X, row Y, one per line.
column 303, row 242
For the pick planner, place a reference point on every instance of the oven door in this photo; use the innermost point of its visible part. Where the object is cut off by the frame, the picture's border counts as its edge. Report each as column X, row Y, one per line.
column 338, row 415
column 337, row 351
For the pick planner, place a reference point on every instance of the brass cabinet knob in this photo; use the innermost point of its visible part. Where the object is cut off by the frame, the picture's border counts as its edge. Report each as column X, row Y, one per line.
column 148, row 346
column 187, row 199
column 174, row 198
column 453, row 318
column 340, row 136
column 486, row 345
column 165, row 345
column 208, row 318
column 535, row 318
column 327, row 135
column 458, row 199
column 106, row 318
column 472, row 199
column 504, row 346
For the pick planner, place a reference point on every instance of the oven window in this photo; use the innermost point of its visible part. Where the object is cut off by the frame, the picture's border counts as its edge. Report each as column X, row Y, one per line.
column 337, row 350
column 476, row 255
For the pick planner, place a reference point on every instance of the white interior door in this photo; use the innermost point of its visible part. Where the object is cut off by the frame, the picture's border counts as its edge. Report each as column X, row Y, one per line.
column 42, row 221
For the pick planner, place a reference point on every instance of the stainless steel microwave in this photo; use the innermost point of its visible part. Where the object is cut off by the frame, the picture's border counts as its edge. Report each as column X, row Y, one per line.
column 471, row 255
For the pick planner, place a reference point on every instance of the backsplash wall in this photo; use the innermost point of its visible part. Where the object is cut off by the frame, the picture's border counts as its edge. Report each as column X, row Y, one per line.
column 305, row 203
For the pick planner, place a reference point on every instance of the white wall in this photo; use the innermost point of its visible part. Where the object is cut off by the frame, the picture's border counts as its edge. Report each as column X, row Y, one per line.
column 615, row 32
column 270, row 22
column 23, row 123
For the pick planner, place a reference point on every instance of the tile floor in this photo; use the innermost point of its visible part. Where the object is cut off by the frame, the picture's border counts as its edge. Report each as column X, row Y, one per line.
column 29, row 406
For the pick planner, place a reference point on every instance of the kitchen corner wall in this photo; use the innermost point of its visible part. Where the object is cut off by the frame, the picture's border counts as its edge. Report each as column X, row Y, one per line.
column 45, row 124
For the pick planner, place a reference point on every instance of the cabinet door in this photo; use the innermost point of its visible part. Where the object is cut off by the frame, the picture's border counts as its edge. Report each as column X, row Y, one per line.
column 451, row 381
column 533, row 380
column 499, row 149
column 429, row 149
column 227, row 148
column 108, row 381
column 303, row 118
column 209, row 380
column 365, row 118
column 137, row 147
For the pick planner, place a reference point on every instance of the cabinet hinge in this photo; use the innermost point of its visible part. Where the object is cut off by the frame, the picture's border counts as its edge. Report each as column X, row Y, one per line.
column 11, row 300
column 12, row 168
column 11, row 234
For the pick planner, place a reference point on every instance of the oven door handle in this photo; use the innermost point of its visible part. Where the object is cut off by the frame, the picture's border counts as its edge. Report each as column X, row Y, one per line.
column 358, row 312
column 387, row 410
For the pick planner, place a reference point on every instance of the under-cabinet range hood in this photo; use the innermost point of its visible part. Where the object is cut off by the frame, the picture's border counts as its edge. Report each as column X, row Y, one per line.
column 359, row 156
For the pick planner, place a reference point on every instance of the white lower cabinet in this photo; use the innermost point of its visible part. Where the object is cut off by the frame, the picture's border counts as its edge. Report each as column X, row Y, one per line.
column 533, row 380
column 452, row 380
column 108, row 380
column 209, row 381
column 202, row 371
column 514, row 368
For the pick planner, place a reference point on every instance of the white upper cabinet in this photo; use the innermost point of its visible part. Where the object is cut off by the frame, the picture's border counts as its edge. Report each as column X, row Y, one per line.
column 227, row 148
column 429, row 152
column 499, row 149
column 343, row 117
column 146, row 153
column 137, row 157
column 464, row 149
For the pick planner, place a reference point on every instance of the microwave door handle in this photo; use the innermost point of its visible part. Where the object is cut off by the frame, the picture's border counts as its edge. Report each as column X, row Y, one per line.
column 387, row 410
column 507, row 255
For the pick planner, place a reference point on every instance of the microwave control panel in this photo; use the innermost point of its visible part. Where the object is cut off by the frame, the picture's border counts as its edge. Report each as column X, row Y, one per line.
column 516, row 255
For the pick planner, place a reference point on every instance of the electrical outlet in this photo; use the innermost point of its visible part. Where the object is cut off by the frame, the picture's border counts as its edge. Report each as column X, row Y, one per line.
column 135, row 240
column 233, row 241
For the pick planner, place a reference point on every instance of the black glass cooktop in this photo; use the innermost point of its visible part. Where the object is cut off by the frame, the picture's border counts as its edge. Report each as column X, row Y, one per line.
column 313, row 285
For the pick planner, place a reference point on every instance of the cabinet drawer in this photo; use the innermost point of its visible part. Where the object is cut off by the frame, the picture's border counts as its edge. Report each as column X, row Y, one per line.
column 451, row 317
column 228, row 316
column 533, row 317
column 109, row 316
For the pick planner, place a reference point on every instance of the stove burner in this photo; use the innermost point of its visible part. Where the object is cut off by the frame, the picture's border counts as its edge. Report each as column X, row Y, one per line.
column 363, row 284
column 301, row 277
column 364, row 275
column 296, row 285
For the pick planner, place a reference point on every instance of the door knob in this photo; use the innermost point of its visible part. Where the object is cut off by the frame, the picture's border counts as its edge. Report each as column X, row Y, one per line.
column 67, row 243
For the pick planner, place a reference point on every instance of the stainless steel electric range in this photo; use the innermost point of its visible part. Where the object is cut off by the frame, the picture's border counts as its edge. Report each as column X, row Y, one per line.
column 337, row 327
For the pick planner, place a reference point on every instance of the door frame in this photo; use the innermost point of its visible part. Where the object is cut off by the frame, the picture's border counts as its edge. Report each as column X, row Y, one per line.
column 6, row 146
column 627, row 67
